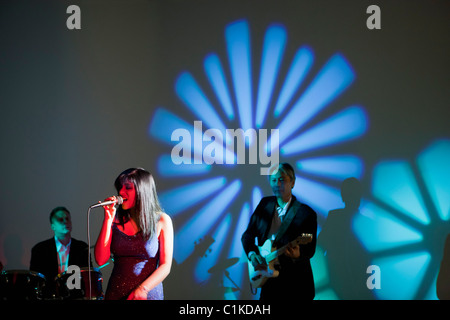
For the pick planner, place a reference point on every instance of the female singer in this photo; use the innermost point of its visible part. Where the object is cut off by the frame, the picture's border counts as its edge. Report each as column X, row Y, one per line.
column 140, row 237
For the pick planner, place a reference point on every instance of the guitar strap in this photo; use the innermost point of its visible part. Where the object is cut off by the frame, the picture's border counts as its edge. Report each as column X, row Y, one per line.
column 290, row 214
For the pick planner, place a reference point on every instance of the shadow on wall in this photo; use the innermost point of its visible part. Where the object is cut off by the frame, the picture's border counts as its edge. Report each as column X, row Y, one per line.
column 443, row 279
column 345, row 257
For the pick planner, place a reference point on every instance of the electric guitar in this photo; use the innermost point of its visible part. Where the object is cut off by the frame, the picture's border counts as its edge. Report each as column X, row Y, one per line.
column 270, row 255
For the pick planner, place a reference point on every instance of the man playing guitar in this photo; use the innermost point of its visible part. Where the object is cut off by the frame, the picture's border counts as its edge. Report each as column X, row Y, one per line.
column 287, row 224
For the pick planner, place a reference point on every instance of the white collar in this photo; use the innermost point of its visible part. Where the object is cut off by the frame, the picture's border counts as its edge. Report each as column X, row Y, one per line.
column 282, row 210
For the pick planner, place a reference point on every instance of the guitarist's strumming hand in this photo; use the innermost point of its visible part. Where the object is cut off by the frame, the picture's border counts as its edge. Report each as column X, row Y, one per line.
column 258, row 262
column 293, row 251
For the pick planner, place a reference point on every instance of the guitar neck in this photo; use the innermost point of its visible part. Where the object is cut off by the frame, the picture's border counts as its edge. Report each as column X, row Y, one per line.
column 274, row 254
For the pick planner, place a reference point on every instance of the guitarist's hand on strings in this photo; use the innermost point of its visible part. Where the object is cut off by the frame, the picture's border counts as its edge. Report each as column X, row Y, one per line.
column 259, row 263
column 293, row 251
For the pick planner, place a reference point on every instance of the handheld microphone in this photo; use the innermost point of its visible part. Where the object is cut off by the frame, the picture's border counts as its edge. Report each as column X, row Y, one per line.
column 118, row 201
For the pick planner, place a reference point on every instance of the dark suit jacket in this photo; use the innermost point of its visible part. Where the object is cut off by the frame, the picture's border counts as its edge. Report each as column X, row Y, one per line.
column 44, row 259
column 295, row 280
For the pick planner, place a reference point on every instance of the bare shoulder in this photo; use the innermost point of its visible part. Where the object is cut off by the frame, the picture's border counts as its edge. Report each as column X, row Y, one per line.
column 165, row 220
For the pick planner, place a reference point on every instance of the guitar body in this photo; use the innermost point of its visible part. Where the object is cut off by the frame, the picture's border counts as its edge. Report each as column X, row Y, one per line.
column 270, row 253
column 259, row 277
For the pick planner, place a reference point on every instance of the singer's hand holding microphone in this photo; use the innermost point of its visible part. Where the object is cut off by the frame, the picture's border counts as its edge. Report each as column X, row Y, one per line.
column 109, row 204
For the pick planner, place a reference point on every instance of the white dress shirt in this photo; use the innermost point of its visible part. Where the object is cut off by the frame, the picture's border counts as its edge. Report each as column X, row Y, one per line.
column 63, row 255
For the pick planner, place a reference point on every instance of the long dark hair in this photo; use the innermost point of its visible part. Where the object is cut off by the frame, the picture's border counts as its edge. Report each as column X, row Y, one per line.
column 147, row 205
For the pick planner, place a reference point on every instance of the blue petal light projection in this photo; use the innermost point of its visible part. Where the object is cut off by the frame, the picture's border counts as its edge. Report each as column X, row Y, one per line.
column 212, row 205
column 405, row 225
